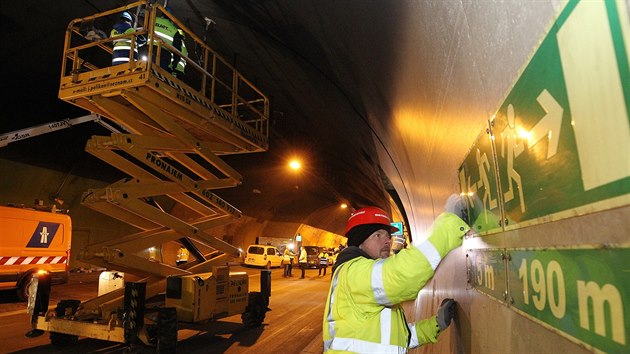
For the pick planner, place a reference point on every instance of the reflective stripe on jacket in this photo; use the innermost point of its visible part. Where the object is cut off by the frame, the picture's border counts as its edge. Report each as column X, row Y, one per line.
column 366, row 316
column 122, row 46
column 303, row 257
column 182, row 255
column 165, row 29
column 323, row 258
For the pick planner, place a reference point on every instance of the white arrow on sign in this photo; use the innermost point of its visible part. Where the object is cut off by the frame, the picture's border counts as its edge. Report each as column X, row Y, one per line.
column 549, row 125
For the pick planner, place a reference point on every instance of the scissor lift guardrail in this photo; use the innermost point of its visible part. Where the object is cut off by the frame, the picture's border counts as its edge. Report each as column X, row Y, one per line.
column 176, row 131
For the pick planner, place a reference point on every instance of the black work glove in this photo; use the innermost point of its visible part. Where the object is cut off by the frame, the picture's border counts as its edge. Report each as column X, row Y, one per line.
column 445, row 313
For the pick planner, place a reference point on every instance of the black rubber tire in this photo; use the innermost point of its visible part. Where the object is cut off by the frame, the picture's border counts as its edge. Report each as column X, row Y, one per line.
column 255, row 311
column 152, row 334
column 167, row 331
column 22, row 288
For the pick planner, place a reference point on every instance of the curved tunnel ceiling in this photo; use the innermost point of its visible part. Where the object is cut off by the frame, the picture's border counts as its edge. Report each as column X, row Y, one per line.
column 377, row 96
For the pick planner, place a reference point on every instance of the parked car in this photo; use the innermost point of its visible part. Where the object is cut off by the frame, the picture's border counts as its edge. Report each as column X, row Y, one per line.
column 263, row 256
column 312, row 256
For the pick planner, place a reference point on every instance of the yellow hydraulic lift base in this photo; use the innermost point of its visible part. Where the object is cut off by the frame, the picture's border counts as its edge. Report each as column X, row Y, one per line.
column 174, row 132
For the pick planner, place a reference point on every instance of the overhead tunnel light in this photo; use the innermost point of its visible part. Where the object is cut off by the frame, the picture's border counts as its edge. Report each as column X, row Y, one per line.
column 295, row 164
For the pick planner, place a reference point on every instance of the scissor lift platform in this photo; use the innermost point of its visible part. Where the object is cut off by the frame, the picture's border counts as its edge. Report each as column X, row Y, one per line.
column 147, row 100
column 170, row 134
column 173, row 132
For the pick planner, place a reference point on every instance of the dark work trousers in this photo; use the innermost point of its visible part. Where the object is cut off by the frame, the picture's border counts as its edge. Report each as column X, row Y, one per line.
column 324, row 268
column 287, row 269
column 303, row 268
column 165, row 58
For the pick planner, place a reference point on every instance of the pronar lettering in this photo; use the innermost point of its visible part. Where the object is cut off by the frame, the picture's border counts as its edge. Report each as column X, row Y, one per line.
column 162, row 165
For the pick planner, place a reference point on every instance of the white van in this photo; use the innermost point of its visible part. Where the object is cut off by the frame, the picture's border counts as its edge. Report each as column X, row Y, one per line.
column 263, row 256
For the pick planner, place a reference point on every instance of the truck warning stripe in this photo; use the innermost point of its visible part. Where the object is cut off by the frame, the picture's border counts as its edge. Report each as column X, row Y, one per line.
column 32, row 260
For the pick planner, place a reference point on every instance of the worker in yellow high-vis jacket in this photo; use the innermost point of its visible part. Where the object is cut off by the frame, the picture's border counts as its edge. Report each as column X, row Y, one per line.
column 367, row 316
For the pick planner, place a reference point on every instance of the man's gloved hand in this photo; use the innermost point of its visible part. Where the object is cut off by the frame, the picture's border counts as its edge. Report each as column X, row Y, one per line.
column 445, row 313
column 456, row 204
column 447, row 233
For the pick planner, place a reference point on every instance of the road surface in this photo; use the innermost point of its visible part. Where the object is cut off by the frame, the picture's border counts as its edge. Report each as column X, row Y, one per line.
column 292, row 326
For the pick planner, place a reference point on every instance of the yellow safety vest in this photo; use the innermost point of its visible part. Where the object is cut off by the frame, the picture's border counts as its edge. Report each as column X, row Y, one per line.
column 366, row 316
column 122, row 47
column 303, row 257
column 165, row 29
column 323, row 259
column 182, row 255
column 288, row 256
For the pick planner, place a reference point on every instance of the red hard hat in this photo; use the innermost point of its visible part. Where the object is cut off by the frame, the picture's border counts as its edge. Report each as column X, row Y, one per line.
column 370, row 215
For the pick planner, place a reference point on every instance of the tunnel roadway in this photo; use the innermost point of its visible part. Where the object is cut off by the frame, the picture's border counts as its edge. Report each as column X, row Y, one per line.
column 292, row 326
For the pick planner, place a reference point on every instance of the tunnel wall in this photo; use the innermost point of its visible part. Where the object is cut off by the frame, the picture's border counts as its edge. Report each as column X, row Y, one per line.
column 547, row 184
column 22, row 184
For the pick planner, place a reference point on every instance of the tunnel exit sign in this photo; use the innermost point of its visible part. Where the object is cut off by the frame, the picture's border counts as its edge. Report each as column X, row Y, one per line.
column 561, row 139
column 399, row 226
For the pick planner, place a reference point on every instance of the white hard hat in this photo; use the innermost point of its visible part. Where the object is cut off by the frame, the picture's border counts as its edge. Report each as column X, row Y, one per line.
column 126, row 16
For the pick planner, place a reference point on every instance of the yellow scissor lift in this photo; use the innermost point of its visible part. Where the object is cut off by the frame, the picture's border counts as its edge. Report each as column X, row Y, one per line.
column 172, row 134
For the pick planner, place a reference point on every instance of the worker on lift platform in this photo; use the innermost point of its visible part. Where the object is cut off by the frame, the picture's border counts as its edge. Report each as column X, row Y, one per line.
column 122, row 46
column 182, row 256
column 169, row 33
column 178, row 65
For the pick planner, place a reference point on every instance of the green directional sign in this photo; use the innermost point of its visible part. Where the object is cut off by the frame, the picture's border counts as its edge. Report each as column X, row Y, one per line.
column 561, row 138
column 584, row 293
column 486, row 272
column 563, row 134
column 478, row 179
